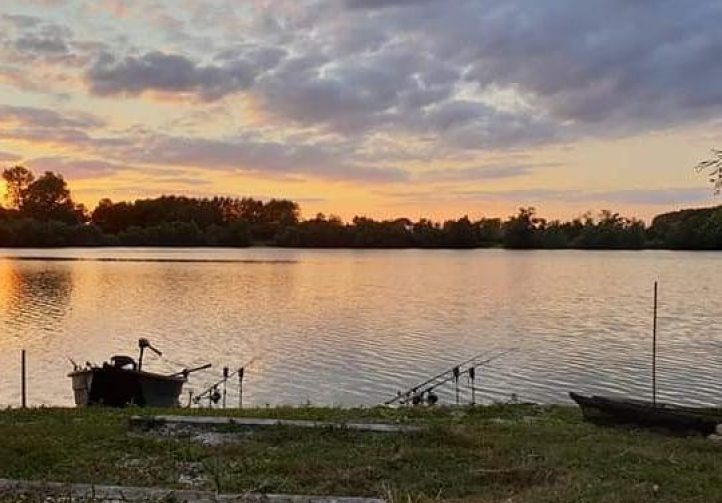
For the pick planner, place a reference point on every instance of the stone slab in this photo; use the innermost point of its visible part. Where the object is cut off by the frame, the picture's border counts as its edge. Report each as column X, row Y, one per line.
column 121, row 494
column 200, row 421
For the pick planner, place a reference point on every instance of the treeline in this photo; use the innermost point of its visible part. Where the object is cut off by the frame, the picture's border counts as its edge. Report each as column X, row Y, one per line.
column 524, row 230
column 40, row 212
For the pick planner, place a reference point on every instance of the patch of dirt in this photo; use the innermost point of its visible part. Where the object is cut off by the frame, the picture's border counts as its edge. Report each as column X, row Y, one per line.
column 192, row 475
column 204, row 436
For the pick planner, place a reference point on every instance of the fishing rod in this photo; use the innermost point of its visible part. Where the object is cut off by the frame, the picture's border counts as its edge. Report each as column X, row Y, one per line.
column 213, row 386
column 187, row 371
column 456, row 373
column 413, row 389
column 225, row 378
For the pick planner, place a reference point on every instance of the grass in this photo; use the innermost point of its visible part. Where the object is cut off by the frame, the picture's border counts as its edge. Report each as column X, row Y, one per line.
column 498, row 453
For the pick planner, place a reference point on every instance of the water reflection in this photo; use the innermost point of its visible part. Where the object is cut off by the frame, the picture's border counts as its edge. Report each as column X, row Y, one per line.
column 353, row 327
column 35, row 298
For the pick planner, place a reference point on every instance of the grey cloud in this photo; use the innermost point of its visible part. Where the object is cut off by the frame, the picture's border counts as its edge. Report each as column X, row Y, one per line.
column 628, row 65
column 33, row 43
column 656, row 196
column 42, row 40
column 379, row 4
column 377, row 90
column 20, row 20
column 478, row 173
column 59, row 136
column 649, row 197
column 45, row 118
column 356, row 70
column 174, row 73
column 8, row 157
column 594, row 69
column 64, row 129
column 258, row 156
column 77, row 169
column 251, row 154
column 261, row 57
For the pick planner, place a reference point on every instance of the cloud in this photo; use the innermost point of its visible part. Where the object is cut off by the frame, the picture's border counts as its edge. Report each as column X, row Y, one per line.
column 37, row 44
column 379, row 90
column 343, row 89
column 260, row 157
column 32, row 39
column 175, row 73
column 67, row 129
column 250, row 153
column 21, row 20
column 45, row 118
column 625, row 65
column 596, row 69
column 380, row 4
column 8, row 157
column 428, row 69
column 76, row 168
column 478, row 173
column 651, row 197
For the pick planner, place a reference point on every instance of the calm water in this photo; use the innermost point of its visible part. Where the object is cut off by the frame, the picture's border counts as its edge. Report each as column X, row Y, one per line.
column 352, row 327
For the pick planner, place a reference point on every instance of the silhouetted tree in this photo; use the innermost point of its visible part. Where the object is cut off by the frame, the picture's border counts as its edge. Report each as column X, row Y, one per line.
column 712, row 167
column 427, row 234
column 45, row 215
column 48, row 198
column 460, row 233
column 17, row 179
column 268, row 219
column 520, row 231
column 488, row 231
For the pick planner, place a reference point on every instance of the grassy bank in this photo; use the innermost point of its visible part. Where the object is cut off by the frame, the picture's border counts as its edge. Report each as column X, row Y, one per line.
column 497, row 453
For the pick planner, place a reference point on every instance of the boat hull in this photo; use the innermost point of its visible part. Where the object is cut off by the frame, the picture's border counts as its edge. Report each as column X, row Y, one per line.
column 647, row 414
column 116, row 387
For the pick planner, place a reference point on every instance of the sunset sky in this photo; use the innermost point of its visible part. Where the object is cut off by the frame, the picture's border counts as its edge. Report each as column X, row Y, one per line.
column 426, row 108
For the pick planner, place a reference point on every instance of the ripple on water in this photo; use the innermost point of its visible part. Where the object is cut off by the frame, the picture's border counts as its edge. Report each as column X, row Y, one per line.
column 354, row 327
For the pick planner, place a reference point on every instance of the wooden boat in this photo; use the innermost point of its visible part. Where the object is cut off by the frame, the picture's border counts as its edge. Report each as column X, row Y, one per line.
column 647, row 414
column 123, row 382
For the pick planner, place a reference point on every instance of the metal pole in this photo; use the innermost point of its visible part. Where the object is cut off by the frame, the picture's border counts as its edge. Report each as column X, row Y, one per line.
column 472, row 377
column 240, row 388
column 225, row 380
column 456, row 383
column 23, row 377
column 654, row 349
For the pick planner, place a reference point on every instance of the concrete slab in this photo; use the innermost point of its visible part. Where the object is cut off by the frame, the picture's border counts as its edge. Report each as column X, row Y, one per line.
column 121, row 494
column 202, row 421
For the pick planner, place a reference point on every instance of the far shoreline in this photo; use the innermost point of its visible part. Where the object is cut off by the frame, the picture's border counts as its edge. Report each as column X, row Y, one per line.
column 341, row 248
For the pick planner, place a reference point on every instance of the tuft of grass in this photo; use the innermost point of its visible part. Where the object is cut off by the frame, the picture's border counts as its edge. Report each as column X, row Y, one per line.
column 514, row 453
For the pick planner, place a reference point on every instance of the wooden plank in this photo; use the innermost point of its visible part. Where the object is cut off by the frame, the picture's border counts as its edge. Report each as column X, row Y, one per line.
column 248, row 422
column 122, row 493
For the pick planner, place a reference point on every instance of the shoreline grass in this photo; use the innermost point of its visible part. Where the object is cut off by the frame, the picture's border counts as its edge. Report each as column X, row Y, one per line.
column 495, row 453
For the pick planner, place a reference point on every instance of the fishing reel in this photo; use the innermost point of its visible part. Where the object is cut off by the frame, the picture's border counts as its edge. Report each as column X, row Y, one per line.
column 213, row 396
column 427, row 397
column 431, row 398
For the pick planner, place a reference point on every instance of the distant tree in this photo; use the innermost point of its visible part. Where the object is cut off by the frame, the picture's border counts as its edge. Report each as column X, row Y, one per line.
column 488, row 231
column 17, row 179
column 520, row 231
column 427, row 234
column 269, row 219
column 713, row 168
column 48, row 198
column 459, row 233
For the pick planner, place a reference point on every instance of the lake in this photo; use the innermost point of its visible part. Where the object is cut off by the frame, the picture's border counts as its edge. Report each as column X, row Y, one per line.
column 351, row 327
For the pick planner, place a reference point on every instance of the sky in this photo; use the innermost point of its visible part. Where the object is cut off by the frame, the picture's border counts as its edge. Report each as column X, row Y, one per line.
column 383, row 108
